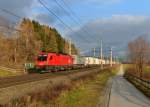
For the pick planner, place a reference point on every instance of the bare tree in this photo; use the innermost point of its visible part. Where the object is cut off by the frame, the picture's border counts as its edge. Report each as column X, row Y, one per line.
column 139, row 51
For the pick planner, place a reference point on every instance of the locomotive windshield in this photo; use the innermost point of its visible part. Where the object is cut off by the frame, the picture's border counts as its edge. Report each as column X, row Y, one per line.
column 42, row 57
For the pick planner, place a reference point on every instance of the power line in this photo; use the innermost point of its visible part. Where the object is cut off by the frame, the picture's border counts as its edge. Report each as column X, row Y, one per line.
column 67, row 12
column 61, row 7
column 11, row 13
column 75, row 17
column 73, row 13
column 11, row 28
column 78, row 20
column 50, row 11
column 19, row 17
column 70, row 16
column 54, row 14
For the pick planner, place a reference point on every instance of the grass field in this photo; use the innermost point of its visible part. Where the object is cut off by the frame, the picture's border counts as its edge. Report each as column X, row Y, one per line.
column 131, row 69
column 146, row 73
column 86, row 94
column 126, row 66
column 4, row 73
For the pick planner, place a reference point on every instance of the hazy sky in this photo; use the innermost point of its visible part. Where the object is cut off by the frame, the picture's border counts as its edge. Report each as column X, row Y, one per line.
column 116, row 22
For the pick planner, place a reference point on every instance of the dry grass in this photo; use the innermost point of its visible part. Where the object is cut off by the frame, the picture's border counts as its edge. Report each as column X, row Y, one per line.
column 85, row 94
column 40, row 97
column 82, row 92
column 131, row 69
column 4, row 73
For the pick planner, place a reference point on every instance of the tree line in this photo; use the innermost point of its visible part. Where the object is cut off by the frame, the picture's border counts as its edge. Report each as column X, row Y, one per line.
column 20, row 47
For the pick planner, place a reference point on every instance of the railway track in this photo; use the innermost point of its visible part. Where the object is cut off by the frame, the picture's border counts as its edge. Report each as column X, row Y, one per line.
column 16, row 80
column 18, row 86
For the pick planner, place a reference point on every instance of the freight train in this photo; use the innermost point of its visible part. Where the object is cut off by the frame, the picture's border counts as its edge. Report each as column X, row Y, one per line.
column 47, row 62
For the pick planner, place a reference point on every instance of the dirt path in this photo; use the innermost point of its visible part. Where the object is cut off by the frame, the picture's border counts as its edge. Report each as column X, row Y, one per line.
column 124, row 94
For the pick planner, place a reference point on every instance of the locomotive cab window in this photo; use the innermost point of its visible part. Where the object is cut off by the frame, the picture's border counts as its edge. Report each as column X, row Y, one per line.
column 42, row 57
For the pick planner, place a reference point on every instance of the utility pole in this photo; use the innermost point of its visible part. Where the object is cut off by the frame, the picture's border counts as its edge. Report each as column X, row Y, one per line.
column 108, row 61
column 70, row 47
column 101, row 55
column 117, row 61
column 94, row 52
column 111, row 57
column 114, row 59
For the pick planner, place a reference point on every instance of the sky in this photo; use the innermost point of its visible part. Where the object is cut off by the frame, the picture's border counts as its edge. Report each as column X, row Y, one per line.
column 115, row 22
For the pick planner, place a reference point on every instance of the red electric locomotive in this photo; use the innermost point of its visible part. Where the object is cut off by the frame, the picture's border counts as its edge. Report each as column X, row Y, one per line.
column 52, row 61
